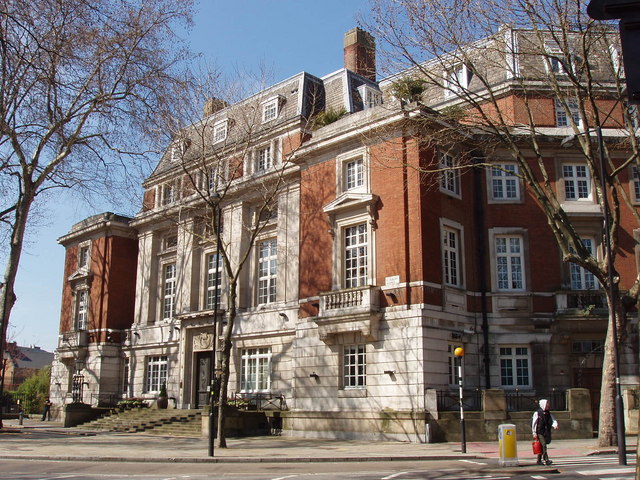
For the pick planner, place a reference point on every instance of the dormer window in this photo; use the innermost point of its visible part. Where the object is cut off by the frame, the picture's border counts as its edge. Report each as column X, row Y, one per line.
column 555, row 56
column 456, row 79
column 220, row 131
column 271, row 109
column 370, row 96
column 178, row 149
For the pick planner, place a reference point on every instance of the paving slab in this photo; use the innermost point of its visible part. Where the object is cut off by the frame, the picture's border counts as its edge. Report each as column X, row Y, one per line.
column 48, row 440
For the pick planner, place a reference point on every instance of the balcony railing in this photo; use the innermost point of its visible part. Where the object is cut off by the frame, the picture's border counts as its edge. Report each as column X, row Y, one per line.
column 349, row 310
column 75, row 339
column 350, row 301
column 581, row 300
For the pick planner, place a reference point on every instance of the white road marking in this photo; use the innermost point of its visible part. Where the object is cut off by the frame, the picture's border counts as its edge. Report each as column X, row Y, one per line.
column 608, row 471
column 538, row 477
column 389, row 477
column 475, row 463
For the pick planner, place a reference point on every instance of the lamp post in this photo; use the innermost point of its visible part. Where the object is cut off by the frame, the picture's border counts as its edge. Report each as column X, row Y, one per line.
column 459, row 353
column 216, row 298
column 620, row 429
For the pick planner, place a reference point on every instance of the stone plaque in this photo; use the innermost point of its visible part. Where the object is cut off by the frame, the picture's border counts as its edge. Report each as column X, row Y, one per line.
column 203, row 341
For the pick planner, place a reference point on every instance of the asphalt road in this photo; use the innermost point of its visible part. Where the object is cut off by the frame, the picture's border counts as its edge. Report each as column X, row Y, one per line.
column 587, row 468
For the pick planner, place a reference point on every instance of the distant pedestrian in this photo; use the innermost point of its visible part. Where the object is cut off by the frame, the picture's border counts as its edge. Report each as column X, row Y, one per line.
column 541, row 425
column 46, row 411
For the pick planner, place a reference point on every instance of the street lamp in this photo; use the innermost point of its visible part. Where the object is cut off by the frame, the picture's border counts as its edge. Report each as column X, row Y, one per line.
column 459, row 353
column 212, row 369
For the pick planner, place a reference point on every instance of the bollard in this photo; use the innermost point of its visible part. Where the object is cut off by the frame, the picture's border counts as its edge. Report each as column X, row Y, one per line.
column 20, row 417
column 507, row 445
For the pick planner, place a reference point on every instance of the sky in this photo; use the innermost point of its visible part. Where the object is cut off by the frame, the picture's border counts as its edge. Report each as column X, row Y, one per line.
column 286, row 36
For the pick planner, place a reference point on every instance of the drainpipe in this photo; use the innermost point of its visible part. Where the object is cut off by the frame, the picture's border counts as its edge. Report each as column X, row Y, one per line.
column 481, row 263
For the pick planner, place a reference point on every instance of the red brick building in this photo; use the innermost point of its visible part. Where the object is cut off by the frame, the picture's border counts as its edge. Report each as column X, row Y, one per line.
column 385, row 246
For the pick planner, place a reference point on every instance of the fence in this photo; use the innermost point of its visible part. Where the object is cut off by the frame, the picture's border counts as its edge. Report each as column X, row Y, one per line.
column 518, row 401
column 450, row 400
column 258, row 401
column 25, row 402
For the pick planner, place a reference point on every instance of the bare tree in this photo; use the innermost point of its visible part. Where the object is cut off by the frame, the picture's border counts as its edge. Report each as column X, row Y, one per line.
column 81, row 79
column 232, row 170
column 493, row 74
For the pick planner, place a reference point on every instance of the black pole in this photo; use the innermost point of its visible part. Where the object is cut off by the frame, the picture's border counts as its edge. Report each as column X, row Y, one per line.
column 622, row 446
column 212, row 393
column 463, row 436
column 479, row 228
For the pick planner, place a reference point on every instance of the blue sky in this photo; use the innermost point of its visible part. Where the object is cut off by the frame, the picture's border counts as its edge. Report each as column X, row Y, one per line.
column 287, row 36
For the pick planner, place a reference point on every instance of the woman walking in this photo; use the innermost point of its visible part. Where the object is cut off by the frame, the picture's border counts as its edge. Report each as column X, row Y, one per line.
column 541, row 425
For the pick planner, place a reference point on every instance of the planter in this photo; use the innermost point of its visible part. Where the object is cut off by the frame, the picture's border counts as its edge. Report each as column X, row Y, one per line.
column 162, row 403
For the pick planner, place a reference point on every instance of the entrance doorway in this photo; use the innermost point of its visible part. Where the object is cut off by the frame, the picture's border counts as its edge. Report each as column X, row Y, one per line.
column 203, row 369
column 591, row 379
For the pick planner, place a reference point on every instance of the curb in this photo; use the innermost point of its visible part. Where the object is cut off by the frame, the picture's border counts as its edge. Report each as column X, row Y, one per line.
column 389, row 458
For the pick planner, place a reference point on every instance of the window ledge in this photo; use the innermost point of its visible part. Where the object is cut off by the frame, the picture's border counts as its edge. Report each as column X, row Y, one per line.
column 352, row 393
column 584, row 207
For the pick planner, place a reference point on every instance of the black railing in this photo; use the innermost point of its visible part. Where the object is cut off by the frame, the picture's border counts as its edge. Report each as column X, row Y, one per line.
column 586, row 300
column 258, row 401
column 449, row 400
column 518, row 401
column 25, row 402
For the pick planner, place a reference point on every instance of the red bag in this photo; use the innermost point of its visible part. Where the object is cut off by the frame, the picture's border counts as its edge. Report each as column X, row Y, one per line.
column 537, row 447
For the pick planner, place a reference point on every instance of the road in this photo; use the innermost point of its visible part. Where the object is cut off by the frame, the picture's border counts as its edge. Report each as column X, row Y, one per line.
column 603, row 467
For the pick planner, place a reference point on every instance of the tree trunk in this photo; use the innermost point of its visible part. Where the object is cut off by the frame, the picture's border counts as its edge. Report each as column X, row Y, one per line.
column 226, row 354
column 7, row 293
column 607, row 435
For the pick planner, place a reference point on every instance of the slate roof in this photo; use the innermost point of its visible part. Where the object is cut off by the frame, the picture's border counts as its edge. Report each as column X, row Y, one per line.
column 28, row 357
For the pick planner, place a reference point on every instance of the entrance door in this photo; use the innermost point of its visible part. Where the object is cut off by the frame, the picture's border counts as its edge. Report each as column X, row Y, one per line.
column 590, row 378
column 203, row 362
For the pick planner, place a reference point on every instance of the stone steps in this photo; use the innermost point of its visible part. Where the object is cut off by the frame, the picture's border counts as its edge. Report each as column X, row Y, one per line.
column 146, row 420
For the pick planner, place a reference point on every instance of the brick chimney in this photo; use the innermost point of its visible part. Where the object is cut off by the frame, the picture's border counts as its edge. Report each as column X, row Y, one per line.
column 213, row 105
column 360, row 53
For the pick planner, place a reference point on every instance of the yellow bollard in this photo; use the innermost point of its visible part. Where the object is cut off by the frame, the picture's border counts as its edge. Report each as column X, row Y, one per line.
column 507, row 445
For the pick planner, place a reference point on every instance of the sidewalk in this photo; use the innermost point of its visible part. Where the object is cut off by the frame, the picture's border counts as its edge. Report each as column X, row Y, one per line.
column 49, row 441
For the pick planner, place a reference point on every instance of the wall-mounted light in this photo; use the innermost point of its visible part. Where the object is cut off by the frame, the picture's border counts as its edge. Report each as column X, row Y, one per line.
column 314, row 375
column 283, row 316
column 392, row 296
column 176, row 328
column 136, row 334
column 390, row 372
